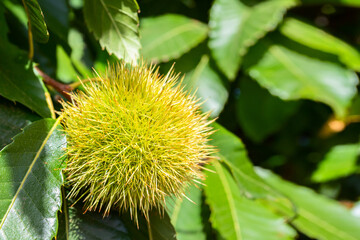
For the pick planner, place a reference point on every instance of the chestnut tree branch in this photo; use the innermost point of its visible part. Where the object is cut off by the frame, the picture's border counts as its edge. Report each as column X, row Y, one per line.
column 63, row 89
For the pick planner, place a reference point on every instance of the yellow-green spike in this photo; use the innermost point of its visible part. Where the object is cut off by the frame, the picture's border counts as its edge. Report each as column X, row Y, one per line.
column 134, row 137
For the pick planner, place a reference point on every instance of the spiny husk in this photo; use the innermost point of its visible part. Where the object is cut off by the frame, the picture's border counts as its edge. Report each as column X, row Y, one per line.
column 134, row 138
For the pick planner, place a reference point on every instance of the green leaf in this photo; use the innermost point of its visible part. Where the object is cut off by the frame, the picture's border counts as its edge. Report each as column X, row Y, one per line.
column 316, row 38
column 208, row 85
column 3, row 25
column 186, row 216
column 232, row 151
column 291, row 75
column 161, row 227
column 65, row 70
column 339, row 162
column 259, row 113
column 18, row 10
column 234, row 27
column 92, row 225
column 355, row 106
column 36, row 21
column 12, row 120
column 56, row 16
column 236, row 217
column 169, row 36
column 352, row 3
column 115, row 25
column 317, row 216
column 19, row 83
column 30, row 180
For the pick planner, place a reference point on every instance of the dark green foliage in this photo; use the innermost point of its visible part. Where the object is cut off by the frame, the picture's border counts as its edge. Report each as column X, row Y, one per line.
column 281, row 76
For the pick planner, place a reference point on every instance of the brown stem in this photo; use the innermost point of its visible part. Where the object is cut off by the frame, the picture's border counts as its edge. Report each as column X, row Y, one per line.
column 63, row 89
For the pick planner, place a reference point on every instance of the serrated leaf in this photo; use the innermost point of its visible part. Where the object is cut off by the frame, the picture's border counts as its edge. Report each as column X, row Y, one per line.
column 236, row 217
column 340, row 161
column 258, row 112
column 292, row 75
column 13, row 118
column 313, row 37
column 115, row 24
column 234, row 27
column 317, row 216
column 169, row 36
column 17, row 80
column 56, row 16
column 186, row 216
column 30, row 179
column 36, row 21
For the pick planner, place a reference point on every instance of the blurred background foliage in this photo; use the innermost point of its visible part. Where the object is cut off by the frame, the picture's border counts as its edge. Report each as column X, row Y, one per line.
column 281, row 75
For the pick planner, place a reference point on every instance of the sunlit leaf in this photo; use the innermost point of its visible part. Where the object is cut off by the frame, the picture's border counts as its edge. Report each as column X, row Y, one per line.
column 234, row 27
column 30, row 180
column 292, row 75
column 169, row 36
column 235, row 216
column 340, row 161
column 317, row 216
column 115, row 24
column 316, row 38
column 186, row 216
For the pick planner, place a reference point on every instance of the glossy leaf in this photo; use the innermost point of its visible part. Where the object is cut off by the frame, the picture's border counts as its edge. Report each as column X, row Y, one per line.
column 186, row 216
column 340, row 161
column 36, row 21
column 234, row 27
column 232, row 151
column 317, row 216
column 30, row 179
column 161, row 227
column 13, row 118
column 291, row 75
column 169, row 36
column 236, row 217
column 17, row 80
column 19, row 83
column 92, row 225
column 259, row 113
column 316, row 38
column 56, row 13
column 115, row 24
column 209, row 86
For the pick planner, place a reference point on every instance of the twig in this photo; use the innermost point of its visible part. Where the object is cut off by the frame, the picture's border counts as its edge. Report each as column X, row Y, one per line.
column 63, row 89
column 31, row 44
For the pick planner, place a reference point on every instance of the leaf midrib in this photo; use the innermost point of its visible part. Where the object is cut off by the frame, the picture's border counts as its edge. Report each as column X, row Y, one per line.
column 227, row 190
column 29, row 170
column 324, row 225
column 168, row 35
column 115, row 27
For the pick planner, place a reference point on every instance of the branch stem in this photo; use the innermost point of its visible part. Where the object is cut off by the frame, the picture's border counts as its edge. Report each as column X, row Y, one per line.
column 63, row 89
